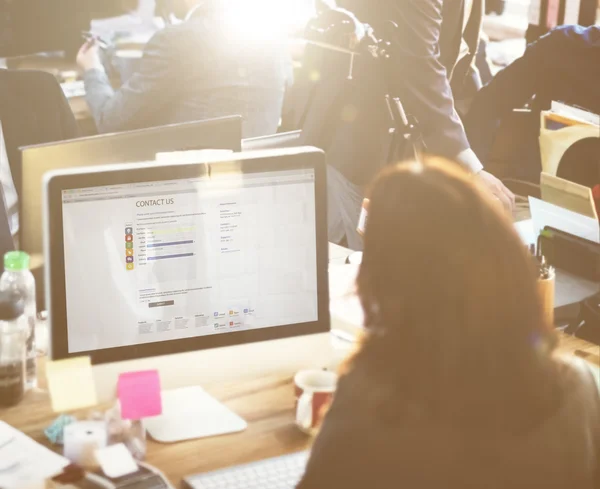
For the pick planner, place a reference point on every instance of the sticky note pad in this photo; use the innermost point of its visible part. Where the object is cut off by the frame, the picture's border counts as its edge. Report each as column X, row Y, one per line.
column 116, row 461
column 71, row 384
column 139, row 394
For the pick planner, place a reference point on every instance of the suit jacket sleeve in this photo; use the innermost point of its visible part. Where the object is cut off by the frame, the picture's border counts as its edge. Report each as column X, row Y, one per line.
column 147, row 91
column 421, row 80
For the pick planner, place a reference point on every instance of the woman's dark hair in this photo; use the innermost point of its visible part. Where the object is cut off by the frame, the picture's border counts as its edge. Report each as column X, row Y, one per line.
column 453, row 318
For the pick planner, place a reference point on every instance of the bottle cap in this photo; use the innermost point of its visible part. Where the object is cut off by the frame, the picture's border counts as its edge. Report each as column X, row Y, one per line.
column 16, row 260
column 11, row 306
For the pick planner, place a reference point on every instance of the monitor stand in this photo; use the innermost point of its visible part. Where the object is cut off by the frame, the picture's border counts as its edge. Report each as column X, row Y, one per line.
column 189, row 413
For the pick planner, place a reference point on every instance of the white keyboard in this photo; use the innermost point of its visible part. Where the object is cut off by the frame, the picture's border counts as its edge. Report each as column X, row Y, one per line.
column 272, row 473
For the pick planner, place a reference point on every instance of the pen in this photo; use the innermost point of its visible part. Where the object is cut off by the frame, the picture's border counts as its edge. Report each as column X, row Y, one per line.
column 545, row 269
column 88, row 36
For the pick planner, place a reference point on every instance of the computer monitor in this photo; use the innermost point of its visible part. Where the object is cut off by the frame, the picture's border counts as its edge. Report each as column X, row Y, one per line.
column 35, row 26
column 275, row 141
column 145, row 261
column 124, row 147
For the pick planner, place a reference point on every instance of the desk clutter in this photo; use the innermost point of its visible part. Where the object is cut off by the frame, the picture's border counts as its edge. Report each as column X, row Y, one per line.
column 71, row 387
column 89, row 461
column 110, row 443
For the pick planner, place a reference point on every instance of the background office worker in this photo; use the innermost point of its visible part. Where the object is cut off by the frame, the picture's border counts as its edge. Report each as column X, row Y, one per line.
column 455, row 384
column 434, row 49
column 208, row 66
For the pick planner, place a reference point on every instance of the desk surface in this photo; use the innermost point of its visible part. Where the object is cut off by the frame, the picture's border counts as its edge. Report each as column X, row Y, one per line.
column 267, row 404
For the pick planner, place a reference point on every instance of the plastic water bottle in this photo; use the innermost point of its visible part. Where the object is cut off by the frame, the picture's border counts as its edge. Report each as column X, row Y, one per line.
column 17, row 278
column 13, row 355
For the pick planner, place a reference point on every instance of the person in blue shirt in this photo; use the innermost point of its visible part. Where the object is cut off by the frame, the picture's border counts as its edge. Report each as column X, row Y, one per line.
column 563, row 65
column 198, row 69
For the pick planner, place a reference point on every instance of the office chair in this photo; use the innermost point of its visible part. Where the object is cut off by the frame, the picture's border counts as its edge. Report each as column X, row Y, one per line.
column 33, row 110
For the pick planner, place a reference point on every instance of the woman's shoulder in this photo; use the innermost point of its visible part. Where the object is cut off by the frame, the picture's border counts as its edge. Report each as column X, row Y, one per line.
column 583, row 372
column 582, row 384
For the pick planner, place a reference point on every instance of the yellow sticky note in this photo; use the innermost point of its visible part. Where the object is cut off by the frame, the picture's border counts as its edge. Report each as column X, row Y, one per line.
column 71, row 384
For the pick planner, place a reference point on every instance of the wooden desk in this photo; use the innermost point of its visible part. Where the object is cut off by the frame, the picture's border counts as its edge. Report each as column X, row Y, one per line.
column 267, row 404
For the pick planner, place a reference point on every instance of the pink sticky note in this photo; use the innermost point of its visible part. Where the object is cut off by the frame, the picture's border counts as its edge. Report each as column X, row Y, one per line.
column 139, row 394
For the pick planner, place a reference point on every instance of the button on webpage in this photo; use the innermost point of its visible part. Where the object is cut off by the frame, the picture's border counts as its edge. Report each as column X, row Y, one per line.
column 161, row 304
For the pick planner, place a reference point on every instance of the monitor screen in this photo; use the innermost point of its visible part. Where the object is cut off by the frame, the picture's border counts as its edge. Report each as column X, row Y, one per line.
column 168, row 260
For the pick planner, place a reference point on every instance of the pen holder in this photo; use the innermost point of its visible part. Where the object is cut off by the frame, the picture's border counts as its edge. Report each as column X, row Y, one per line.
column 546, row 288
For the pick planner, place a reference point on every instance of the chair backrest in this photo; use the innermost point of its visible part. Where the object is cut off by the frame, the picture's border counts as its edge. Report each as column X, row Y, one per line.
column 348, row 117
column 33, row 110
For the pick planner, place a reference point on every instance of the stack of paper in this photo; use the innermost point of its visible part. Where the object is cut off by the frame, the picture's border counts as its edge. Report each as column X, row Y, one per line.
column 23, row 462
column 545, row 214
column 572, row 116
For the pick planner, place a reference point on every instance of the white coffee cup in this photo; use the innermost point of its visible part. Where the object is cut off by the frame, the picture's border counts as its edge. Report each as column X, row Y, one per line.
column 314, row 393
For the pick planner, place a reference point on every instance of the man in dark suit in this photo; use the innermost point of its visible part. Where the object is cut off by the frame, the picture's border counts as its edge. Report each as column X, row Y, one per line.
column 197, row 69
column 434, row 48
column 436, row 42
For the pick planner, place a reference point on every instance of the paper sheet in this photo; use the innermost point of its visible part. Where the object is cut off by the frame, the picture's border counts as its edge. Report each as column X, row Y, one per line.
column 572, row 8
column 71, row 384
column 546, row 214
column 23, row 462
column 525, row 231
column 535, row 11
column 344, row 306
column 116, row 461
column 575, row 113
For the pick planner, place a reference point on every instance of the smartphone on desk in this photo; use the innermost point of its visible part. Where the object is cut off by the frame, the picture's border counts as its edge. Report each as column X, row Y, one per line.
column 89, row 37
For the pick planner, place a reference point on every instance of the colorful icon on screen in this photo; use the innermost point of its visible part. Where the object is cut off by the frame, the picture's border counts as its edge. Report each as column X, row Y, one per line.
column 129, row 259
column 129, row 246
column 129, row 252
column 128, row 231
column 128, row 238
column 130, row 266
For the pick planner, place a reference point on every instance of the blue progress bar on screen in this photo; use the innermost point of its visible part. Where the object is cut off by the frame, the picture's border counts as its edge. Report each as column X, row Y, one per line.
column 173, row 243
column 164, row 257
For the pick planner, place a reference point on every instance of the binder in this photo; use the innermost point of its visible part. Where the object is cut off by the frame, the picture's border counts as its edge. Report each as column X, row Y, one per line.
column 561, row 128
